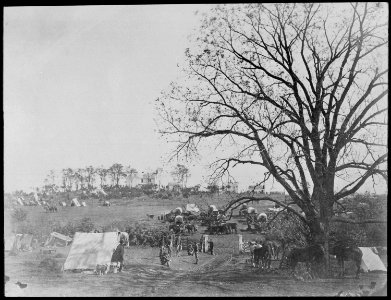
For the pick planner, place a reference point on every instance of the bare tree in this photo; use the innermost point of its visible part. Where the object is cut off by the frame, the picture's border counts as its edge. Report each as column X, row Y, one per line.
column 116, row 172
column 67, row 177
column 131, row 174
column 181, row 174
column 89, row 176
column 102, row 173
column 297, row 89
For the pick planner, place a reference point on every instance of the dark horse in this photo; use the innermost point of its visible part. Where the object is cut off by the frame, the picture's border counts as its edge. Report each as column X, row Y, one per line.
column 310, row 254
column 345, row 252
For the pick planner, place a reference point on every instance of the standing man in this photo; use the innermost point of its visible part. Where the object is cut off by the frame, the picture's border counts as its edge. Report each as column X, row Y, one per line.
column 118, row 255
column 196, row 249
column 211, row 247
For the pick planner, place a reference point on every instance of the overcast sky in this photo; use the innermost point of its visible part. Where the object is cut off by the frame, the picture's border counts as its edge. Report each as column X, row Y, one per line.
column 79, row 87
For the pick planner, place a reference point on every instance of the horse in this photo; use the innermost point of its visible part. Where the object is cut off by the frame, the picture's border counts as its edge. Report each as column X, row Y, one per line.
column 344, row 252
column 191, row 228
column 262, row 257
column 309, row 254
column 232, row 227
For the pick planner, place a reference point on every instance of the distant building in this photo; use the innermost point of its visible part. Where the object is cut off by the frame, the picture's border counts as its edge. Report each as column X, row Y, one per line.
column 144, row 178
column 257, row 188
column 276, row 193
column 173, row 186
column 231, row 187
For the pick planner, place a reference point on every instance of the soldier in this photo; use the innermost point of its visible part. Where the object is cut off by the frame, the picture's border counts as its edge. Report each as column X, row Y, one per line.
column 196, row 250
column 118, row 255
column 202, row 246
column 211, row 247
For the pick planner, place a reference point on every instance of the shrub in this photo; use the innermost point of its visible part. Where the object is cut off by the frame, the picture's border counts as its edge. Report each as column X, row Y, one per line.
column 19, row 215
column 85, row 225
column 50, row 264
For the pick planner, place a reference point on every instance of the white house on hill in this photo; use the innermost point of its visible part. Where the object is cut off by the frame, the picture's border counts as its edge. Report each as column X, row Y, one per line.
column 231, row 187
column 144, row 178
column 257, row 188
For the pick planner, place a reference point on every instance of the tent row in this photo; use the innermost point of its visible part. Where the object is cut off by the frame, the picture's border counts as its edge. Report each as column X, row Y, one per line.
column 20, row 242
column 35, row 201
column 26, row 242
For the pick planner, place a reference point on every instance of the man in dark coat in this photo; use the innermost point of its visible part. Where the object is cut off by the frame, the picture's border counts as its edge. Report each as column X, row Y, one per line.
column 118, row 255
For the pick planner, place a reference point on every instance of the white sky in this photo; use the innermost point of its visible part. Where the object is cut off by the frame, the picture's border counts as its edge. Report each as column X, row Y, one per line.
column 79, row 87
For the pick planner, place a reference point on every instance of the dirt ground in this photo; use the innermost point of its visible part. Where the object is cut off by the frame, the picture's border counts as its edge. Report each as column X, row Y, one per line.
column 225, row 274
column 219, row 275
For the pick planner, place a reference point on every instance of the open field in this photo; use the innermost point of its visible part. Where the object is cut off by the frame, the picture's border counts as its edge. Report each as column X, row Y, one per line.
column 225, row 274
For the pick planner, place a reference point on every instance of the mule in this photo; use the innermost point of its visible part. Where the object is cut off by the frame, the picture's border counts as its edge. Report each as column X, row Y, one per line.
column 262, row 257
column 344, row 252
column 308, row 255
column 232, row 227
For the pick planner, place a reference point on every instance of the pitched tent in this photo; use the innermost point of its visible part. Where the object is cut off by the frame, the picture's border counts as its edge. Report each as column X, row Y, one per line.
column 9, row 242
column 20, row 201
column 17, row 243
column 63, row 204
column 58, row 239
column 26, row 242
column 371, row 261
column 192, row 208
column 90, row 249
column 75, row 202
column 83, row 204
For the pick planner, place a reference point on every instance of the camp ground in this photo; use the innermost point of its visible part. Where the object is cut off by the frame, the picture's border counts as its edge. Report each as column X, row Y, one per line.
column 58, row 240
column 90, row 249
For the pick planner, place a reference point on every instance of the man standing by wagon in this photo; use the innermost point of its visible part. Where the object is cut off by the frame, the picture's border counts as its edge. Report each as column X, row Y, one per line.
column 196, row 250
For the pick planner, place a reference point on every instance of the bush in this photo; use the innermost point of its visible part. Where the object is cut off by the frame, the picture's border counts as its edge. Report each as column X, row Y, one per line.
column 50, row 264
column 86, row 225
column 19, row 215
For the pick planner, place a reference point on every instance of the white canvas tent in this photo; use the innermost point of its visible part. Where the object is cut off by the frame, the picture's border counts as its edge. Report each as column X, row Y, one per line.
column 192, row 208
column 19, row 242
column 26, row 241
column 371, row 261
column 9, row 242
column 63, row 204
column 90, row 249
column 20, row 201
column 75, row 202
column 83, row 204
column 58, row 239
